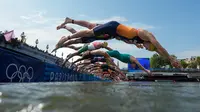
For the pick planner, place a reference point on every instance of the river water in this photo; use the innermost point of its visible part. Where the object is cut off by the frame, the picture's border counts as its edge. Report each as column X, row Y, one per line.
column 100, row 97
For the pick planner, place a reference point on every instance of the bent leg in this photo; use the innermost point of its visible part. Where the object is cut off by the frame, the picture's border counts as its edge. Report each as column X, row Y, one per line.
column 74, row 41
column 82, row 33
column 70, row 29
column 64, row 38
column 74, row 47
column 83, row 49
column 59, row 44
column 83, row 23
column 71, row 55
column 86, row 24
column 108, row 28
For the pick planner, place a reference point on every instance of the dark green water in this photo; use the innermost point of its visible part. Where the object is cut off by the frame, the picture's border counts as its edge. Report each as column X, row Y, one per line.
column 100, row 97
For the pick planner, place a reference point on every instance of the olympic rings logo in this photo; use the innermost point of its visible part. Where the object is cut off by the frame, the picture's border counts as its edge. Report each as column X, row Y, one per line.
column 21, row 72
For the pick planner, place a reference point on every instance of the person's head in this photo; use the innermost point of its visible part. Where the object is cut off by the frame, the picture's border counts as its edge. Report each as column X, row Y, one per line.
column 149, row 46
column 106, row 74
column 104, row 44
column 110, row 71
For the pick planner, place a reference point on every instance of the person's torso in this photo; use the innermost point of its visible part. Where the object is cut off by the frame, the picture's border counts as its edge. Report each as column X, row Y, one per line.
column 113, row 53
column 94, row 45
column 128, row 33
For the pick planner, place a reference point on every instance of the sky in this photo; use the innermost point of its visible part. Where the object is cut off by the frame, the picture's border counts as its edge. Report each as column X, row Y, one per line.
column 175, row 23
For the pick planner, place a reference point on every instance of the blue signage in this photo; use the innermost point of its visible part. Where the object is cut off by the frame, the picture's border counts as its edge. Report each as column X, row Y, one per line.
column 145, row 62
column 17, row 67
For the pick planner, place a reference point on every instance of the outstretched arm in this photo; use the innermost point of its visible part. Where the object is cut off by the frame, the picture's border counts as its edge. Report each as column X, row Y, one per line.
column 117, row 70
column 70, row 29
column 74, row 47
column 134, row 60
column 163, row 52
column 108, row 48
column 108, row 59
column 160, row 49
column 80, row 59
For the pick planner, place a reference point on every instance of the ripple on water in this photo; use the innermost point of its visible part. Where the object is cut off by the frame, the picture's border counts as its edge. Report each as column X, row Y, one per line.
column 99, row 96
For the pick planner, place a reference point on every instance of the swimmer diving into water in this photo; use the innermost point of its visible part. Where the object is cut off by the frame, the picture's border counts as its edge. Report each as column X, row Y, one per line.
column 125, row 33
column 64, row 43
column 105, row 68
column 86, row 47
column 126, row 58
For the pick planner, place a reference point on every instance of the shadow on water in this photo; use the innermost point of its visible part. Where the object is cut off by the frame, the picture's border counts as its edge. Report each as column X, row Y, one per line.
column 100, row 96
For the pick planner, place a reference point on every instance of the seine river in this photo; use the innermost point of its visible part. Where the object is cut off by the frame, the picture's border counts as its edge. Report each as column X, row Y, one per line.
column 100, row 97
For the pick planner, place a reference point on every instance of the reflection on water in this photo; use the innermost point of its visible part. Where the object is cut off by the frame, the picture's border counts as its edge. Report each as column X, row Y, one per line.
column 100, row 97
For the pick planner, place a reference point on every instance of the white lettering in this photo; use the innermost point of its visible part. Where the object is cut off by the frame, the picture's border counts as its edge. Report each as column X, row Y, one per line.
column 57, row 76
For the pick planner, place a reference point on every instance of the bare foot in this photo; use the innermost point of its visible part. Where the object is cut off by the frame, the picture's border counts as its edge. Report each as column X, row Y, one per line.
column 68, row 20
column 59, row 27
column 62, row 40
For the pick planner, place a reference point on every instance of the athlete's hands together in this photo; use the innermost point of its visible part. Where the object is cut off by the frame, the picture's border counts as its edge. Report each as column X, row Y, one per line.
column 149, row 73
column 175, row 63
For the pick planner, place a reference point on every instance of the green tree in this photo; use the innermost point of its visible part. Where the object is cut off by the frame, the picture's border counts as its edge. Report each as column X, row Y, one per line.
column 198, row 60
column 155, row 61
column 193, row 65
column 184, row 64
column 158, row 61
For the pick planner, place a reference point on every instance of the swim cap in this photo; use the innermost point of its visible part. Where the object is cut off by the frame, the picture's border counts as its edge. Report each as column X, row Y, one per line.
column 152, row 47
column 105, row 44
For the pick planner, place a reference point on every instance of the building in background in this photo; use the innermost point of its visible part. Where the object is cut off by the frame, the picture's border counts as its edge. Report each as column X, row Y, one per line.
column 189, row 60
